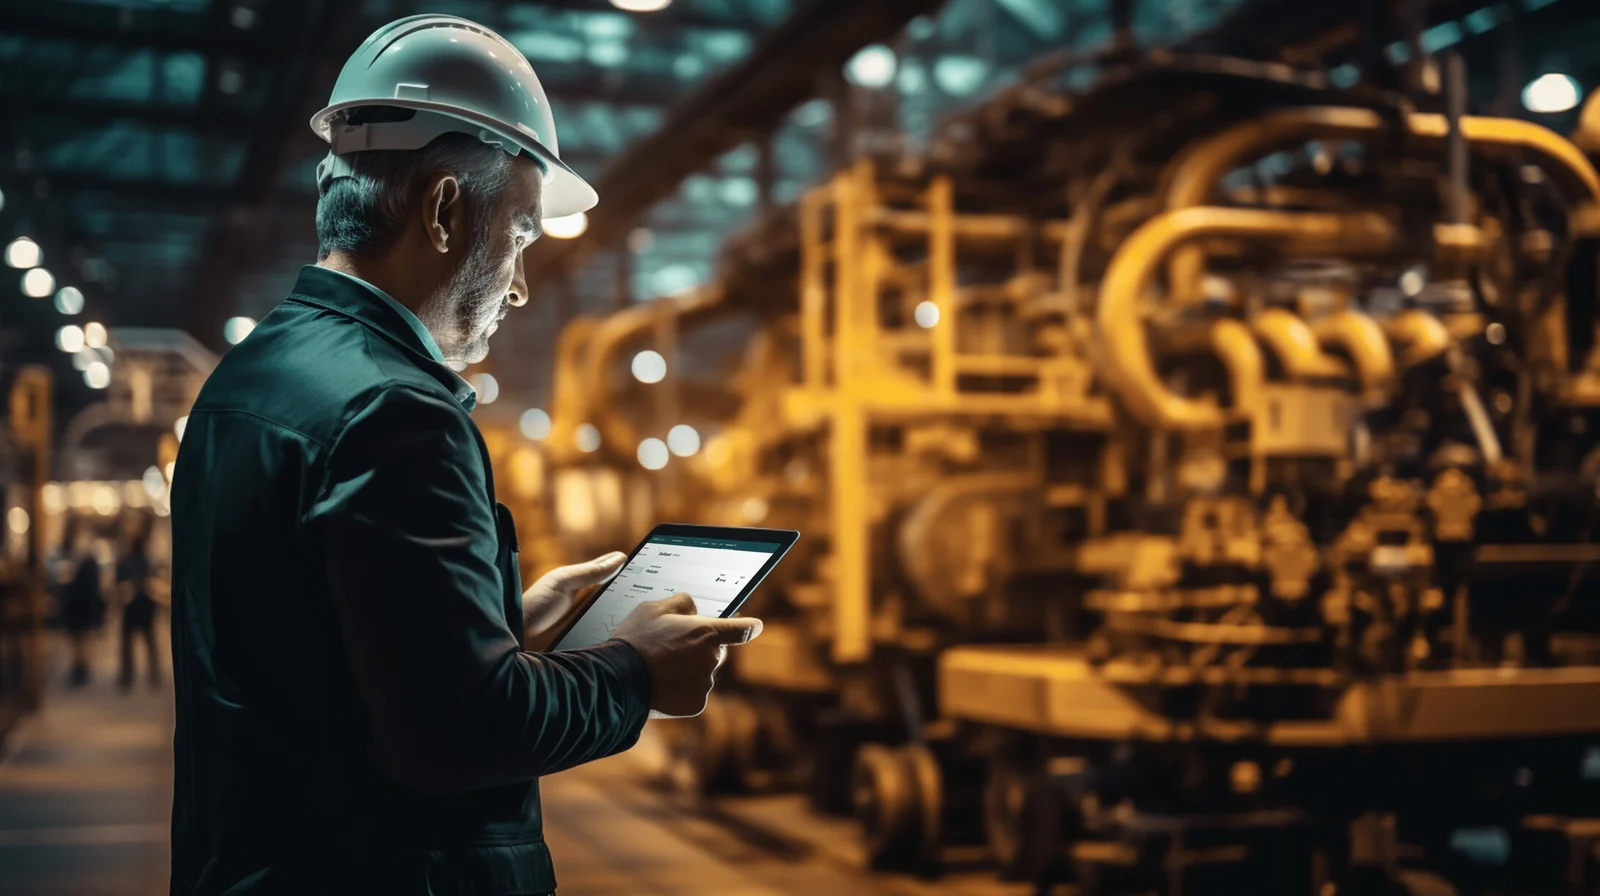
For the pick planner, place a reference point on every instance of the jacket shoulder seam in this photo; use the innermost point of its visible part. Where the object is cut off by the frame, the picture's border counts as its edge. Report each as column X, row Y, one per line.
column 265, row 419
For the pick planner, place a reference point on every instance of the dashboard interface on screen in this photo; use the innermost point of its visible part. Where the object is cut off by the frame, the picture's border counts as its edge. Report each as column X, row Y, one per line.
column 711, row 570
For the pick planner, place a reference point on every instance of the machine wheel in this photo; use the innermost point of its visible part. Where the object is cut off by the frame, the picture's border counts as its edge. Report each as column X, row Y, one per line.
column 1005, row 795
column 703, row 749
column 885, row 803
column 930, row 798
column 898, row 799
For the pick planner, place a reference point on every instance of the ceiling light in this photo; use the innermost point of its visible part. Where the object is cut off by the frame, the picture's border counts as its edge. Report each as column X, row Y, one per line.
column 683, row 440
column 487, row 386
column 926, row 314
column 237, row 328
column 674, row 278
column 588, row 438
column 649, row 367
column 69, row 300
column 641, row 5
column 535, row 424
column 688, row 66
column 82, row 359
column 959, row 75
column 873, row 66
column 38, row 283
column 566, row 227
column 178, row 426
column 154, row 482
column 70, row 338
column 98, row 376
column 23, row 253
column 1551, row 93
column 653, row 454
column 608, row 53
column 94, row 334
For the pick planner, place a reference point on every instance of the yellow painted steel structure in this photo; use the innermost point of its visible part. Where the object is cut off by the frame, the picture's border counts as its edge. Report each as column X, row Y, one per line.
column 31, row 424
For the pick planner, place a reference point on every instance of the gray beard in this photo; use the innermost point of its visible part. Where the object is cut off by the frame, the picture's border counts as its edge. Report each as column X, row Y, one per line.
column 464, row 302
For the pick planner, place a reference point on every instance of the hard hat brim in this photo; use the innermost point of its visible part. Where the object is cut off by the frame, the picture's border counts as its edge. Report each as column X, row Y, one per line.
column 565, row 192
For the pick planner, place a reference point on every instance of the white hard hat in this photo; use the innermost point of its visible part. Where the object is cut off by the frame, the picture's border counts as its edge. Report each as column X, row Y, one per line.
column 459, row 77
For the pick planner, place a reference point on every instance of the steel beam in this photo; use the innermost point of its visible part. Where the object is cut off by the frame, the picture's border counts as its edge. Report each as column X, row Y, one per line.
column 748, row 100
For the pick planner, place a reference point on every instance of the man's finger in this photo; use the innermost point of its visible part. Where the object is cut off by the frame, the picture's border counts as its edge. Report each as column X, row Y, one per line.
column 581, row 575
column 734, row 631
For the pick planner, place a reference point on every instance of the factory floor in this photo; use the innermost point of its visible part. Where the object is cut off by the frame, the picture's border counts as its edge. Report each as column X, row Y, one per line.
column 85, row 803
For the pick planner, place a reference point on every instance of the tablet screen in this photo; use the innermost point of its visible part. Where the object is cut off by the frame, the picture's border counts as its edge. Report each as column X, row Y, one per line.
column 711, row 570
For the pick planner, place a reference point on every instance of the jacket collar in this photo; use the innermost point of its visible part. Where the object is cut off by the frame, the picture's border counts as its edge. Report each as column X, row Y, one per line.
column 357, row 299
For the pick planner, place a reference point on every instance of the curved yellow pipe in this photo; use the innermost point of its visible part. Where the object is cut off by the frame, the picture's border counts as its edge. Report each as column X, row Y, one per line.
column 1423, row 335
column 1247, row 368
column 569, row 406
column 609, row 337
column 1198, row 169
column 1291, row 340
column 1361, row 338
column 1128, row 366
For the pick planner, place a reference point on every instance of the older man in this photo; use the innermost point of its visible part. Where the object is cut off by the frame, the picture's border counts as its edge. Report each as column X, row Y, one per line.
column 355, row 711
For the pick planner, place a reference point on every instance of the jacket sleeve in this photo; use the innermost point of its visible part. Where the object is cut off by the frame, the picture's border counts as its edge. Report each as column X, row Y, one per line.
column 408, row 532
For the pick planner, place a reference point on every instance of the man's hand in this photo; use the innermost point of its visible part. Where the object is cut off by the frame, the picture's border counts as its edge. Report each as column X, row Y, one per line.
column 682, row 650
column 544, row 604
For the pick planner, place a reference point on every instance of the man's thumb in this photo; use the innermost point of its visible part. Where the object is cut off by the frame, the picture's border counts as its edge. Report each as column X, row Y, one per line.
column 737, row 630
column 582, row 575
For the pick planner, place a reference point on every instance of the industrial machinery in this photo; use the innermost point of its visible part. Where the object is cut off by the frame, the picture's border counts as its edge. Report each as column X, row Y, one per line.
column 1198, row 478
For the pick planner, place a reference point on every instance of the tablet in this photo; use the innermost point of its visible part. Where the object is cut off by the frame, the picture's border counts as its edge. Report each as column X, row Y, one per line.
column 719, row 566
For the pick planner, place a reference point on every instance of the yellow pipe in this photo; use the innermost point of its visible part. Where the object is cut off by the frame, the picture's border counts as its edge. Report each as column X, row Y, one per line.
column 1291, row 340
column 569, row 407
column 1129, row 369
column 608, row 338
column 1198, row 170
column 1362, row 338
column 1424, row 336
column 1247, row 369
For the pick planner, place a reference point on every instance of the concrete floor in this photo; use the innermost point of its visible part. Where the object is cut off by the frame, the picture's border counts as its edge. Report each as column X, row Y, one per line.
column 85, row 789
column 85, row 804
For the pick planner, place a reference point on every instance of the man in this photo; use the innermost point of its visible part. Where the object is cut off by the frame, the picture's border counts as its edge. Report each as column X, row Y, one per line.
column 355, row 713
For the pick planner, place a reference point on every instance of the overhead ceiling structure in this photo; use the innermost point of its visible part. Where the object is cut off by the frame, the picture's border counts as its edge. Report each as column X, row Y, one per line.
column 158, row 150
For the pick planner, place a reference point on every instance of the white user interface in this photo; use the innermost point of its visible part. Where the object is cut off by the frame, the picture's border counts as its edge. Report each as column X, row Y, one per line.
column 713, row 571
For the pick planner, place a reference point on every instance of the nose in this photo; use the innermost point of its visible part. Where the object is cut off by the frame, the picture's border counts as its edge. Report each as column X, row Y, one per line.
column 519, row 284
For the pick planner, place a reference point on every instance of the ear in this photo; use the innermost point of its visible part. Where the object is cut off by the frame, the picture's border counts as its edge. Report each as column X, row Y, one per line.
column 443, row 212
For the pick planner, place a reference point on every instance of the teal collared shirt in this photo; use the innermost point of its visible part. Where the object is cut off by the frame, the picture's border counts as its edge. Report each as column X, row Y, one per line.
column 466, row 393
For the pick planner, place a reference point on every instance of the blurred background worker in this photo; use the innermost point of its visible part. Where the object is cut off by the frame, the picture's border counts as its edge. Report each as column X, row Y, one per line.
column 357, row 715
column 80, row 600
column 136, row 583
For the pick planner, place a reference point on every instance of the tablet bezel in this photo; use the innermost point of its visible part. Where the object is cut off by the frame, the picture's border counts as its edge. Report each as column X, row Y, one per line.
column 783, row 538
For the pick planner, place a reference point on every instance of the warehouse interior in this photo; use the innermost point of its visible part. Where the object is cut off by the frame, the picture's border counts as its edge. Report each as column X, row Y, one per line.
column 1189, row 408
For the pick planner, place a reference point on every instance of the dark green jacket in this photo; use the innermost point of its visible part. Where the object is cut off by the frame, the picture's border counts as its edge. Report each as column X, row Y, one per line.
column 354, row 710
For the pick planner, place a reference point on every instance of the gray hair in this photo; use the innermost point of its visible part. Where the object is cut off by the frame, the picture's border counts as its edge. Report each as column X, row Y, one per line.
column 365, row 213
